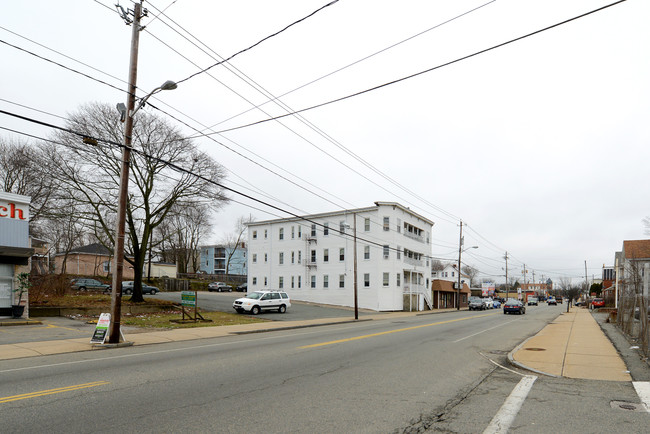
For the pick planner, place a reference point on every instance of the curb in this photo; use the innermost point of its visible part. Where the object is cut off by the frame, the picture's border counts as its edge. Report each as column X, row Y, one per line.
column 19, row 323
column 515, row 363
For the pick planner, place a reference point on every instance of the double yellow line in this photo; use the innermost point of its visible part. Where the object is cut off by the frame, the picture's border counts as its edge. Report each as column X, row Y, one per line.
column 52, row 391
column 356, row 338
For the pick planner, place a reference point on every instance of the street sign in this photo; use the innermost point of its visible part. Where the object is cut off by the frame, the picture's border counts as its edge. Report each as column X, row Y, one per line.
column 188, row 298
column 101, row 329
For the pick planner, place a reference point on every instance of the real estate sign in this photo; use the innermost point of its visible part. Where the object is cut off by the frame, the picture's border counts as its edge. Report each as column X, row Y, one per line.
column 101, row 330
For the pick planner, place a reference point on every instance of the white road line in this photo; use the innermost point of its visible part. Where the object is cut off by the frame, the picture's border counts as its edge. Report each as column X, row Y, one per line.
column 643, row 390
column 508, row 411
column 483, row 331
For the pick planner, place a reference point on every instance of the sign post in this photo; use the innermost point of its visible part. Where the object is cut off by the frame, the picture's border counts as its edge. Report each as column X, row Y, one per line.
column 188, row 299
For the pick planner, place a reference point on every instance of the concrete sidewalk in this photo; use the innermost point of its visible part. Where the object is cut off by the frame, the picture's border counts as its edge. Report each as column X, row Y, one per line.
column 572, row 346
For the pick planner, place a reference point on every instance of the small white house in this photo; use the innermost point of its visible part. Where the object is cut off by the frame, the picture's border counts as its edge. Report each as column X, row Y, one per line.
column 312, row 257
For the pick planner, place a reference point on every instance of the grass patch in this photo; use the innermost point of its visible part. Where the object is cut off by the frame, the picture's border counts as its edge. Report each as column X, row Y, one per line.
column 162, row 320
column 97, row 299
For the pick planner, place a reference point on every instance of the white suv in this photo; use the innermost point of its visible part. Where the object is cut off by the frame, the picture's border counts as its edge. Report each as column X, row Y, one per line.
column 257, row 301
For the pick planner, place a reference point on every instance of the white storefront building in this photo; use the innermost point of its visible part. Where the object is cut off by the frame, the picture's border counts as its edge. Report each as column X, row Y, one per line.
column 15, row 249
column 311, row 257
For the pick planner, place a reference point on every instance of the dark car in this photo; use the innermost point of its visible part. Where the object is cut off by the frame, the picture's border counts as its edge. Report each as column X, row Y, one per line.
column 477, row 303
column 243, row 287
column 127, row 288
column 598, row 302
column 84, row 284
column 551, row 301
column 514, row 306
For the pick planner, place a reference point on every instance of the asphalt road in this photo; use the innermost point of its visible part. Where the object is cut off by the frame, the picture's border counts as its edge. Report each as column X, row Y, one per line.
column 431, row 372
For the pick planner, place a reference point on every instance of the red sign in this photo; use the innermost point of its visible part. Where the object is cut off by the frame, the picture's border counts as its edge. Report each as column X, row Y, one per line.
column 13, row 212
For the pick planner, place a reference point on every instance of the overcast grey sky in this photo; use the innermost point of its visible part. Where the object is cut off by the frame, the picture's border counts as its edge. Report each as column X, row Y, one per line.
column 539, row 146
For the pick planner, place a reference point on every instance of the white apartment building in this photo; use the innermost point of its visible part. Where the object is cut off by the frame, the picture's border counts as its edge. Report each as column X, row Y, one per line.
column 312, row 257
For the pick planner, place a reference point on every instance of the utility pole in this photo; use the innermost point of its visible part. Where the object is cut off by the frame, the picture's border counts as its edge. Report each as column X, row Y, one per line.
column 525, row 282
column 586, row 280
column 356, row 305
column 507, row 290
column 534, row 281
column 460, row 251
column 116, row 295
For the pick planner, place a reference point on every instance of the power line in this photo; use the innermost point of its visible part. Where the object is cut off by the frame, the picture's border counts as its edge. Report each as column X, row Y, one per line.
column 259, row 42
column 457, row 60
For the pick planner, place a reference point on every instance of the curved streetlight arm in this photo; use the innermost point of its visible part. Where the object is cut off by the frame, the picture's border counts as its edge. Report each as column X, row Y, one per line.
column 168, row 85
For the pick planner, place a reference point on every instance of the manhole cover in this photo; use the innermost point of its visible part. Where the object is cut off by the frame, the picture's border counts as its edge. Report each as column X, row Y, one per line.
column 535, row 349
column 628, row 406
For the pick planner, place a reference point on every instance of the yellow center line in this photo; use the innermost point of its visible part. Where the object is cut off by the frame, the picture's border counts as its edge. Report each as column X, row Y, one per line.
column 322, row 344
column 52, row 391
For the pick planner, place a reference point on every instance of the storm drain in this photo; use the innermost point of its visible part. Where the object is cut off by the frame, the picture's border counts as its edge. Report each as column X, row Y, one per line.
column 535, row 349
column 628, row 406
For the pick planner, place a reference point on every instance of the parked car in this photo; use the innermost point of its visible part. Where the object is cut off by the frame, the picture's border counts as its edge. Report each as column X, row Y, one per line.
column 258, row 301
column 219, row 287
column 85, row 284
column 127, row 288
column 559, row 299
column 532, row 301
column 489, row 303
column 476, row 303
column 243, row 287
column 598, row 302
column 551, row 301
column 514, row 306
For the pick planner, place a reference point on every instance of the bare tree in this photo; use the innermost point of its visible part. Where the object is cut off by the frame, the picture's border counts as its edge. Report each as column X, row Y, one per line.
column 180, row 235
column 646, row 224
column 471, row 272
column 437, row 265
column 233, row 240
column 90, row 175
column 24, row 171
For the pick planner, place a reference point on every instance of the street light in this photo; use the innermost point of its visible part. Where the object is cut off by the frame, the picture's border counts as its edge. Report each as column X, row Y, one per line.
column 460, row 250
column 126, row 112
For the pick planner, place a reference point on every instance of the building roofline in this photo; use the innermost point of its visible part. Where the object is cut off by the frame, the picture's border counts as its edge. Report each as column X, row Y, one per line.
column 342, row 212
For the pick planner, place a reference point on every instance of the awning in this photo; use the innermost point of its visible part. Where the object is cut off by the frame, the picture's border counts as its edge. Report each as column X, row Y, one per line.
column 15, row 255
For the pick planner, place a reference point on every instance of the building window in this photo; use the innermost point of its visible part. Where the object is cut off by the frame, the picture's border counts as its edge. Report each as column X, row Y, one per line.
column 326, row 229
column 299, row 282
column 326, row 281
column 386, row 278
column 326, row 255
column 386, row 223
column 254, row 235
column 266, row 281
column 366, row 225
column 281, row 259
column 313, row 256
column 299, row 256
column 341, row 280
column 107, row 266
column 299, row 231
column 293, row 281
column 266, row 258
column 342, row 226
column 399, row 252
column 254, row 280
column 399, row 226
column 366, row 280
column 366, row 252
column 293, row 232
column 452, row 273
column 313, row 282
column 293, row 257
column 266, row 233
column 280, row 282
column 313, row 230
column 281, row 234
column 342, row 254
column 398, row 279
column 254, row 258
column 386, row 250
